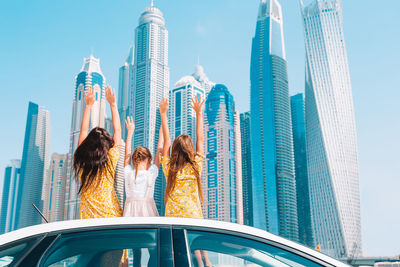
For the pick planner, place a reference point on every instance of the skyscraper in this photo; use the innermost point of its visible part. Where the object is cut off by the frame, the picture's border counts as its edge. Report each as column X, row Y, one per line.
column 124, row 90
column 222, row 181
column 182, row 118
column 246, row 168
column 151, row 76
column 9, row 196
column 150, row 84
column 300, row 159
column 273, row 181
column 331, row 132
column 89, row 76
column 35, row 158
column 54, row 188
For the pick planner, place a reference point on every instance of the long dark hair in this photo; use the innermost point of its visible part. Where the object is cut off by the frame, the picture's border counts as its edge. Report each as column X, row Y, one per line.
column 182, row 153
column 91, row 157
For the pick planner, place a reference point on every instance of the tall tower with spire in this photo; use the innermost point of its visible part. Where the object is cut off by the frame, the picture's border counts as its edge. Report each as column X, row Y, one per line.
column 273, row 180
column 89, row 76
column 150, row 83
column 331, row 132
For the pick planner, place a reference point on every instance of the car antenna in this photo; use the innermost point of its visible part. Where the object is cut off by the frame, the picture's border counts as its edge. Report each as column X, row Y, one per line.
column 41, row 214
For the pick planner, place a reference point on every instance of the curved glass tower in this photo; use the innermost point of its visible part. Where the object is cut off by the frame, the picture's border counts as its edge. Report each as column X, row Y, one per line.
column 273, row 181
column 331, row 132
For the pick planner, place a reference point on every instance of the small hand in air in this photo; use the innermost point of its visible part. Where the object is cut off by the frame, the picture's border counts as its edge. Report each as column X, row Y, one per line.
column 110, row 96
column 130, row 125
column 90, row 97
column 197, row 104
column 164, row 106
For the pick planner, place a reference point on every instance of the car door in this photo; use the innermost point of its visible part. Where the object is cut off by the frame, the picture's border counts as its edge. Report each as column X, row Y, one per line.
column 198, row 246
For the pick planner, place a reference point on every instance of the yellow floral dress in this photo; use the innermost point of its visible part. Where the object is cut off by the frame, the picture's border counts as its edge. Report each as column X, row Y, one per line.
column 184, row 200
column 100, row 199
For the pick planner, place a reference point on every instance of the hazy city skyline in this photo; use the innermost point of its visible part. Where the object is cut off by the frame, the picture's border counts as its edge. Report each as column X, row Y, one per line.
column 43, row 80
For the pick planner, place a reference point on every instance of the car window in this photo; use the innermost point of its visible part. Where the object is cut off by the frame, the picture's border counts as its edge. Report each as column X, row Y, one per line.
column 215, row 249
column 133, row 247
column 10, row 254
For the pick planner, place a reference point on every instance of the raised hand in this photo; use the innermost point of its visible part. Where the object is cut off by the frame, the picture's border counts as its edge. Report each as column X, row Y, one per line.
column 164, row 106
column 89, row 97
column 130, row 125
column 110, row 96
column 197, row 104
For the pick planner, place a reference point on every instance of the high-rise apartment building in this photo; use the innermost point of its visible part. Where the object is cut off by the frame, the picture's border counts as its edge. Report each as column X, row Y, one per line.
column 54, row 188
column 222, row 181
column 331, row 132
column 273, row 177
column 150, row 83
column 89, row 76
column 182, row 118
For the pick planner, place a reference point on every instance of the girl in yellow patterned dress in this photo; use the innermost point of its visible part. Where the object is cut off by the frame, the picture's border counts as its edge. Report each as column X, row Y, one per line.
column 95, row 161
column 182, row 169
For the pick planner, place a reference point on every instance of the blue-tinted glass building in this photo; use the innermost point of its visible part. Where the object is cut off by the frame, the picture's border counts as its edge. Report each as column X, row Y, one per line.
column 300, row 163
column 246, row 168
column 9, row 196
column 221, row 181
column 35, row 158
column 273, row 178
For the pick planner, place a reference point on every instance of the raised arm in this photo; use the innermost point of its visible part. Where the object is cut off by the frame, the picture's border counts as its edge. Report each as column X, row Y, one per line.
column 164, row 126
column 130, row 126
column 89, row 101
column 110, row 96
column 197, row 105
column 160, row 146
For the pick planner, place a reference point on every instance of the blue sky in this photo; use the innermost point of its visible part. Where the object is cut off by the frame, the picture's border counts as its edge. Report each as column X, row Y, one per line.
column 43, row 44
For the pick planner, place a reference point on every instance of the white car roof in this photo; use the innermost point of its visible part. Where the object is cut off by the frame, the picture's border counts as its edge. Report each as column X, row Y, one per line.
column 125, row 221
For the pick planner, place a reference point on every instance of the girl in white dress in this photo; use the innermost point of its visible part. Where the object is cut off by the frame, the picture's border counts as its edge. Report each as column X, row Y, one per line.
column 140, row 176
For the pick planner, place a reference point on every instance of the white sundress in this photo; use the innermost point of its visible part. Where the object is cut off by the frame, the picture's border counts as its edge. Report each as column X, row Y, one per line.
column 140, row 192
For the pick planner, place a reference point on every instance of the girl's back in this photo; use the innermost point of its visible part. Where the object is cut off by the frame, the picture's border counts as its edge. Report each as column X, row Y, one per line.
column 95, row 200
column 184, row 200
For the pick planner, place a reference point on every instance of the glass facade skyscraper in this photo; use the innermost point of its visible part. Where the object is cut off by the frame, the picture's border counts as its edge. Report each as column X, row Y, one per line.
column 54, row 188
column 150, row 84
column 182, row 118
column 9, row 196
column 331, row 132
column 89, row 76
column 222, row 182
column 124, row 90
column 273, row 178
column 300, row 160
column 246, row 168
column 35, row 158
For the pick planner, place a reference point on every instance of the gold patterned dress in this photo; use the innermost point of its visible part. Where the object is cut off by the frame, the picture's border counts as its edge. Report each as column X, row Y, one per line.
column 184, row 200
column 100, row 199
